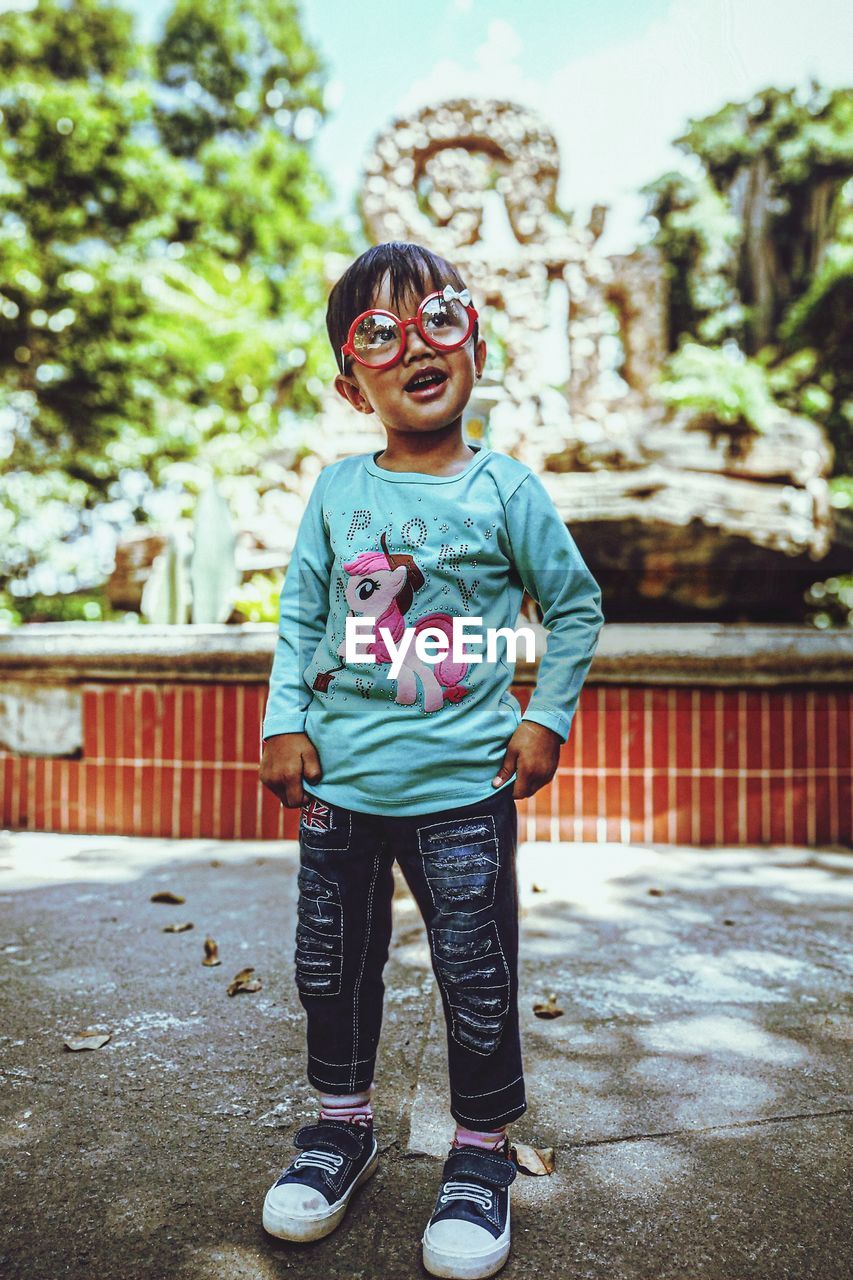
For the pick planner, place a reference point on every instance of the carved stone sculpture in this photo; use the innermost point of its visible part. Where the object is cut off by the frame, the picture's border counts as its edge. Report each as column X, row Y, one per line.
column 476, row 181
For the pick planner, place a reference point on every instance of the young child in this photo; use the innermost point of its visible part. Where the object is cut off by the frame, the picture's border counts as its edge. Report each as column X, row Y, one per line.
column 412, row 760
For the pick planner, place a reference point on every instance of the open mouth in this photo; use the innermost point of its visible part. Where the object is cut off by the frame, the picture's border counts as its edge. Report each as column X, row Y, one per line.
column 425, row 380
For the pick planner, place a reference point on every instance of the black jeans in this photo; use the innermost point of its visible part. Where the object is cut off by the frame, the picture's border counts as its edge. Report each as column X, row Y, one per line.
column 460, row 867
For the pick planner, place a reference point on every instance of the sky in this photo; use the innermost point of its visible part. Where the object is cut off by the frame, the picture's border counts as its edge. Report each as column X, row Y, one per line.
column 615, row 80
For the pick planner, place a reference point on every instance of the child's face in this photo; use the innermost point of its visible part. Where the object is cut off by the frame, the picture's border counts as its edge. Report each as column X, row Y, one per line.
column 383, row 391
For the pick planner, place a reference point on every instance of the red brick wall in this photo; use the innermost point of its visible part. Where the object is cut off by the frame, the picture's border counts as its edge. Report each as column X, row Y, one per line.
column 673, row 765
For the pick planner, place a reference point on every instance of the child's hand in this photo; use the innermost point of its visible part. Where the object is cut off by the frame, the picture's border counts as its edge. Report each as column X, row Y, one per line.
column 287, row 758
column 533, row 752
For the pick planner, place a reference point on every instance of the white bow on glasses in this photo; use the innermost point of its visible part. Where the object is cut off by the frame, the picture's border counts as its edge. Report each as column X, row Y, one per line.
column 449, row 293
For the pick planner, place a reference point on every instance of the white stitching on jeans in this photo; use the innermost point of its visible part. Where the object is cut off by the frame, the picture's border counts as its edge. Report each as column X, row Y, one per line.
column 307, row 900
column 337, row 1084
column 478, row 928
column 491, row 840
column 443, row 984
column 477, row 829
column 433, row 826
column 494, row 1119
column 328, row 1063
column 376, row 863
column 487, row 1092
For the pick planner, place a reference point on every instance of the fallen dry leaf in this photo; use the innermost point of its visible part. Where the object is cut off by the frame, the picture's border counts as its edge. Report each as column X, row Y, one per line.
column 243, row 981
column 87, row 1040
column 211, row 952
column 547, row 1008
column 656, row 893
column 536, row 888
column 178, row 928
column 532, row 1160
column 166, row 895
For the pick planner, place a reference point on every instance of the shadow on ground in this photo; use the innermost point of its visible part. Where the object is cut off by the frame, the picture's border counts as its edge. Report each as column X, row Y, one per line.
column 694, row 1087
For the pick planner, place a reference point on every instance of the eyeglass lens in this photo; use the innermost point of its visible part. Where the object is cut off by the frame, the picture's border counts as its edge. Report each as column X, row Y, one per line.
column 378, row 338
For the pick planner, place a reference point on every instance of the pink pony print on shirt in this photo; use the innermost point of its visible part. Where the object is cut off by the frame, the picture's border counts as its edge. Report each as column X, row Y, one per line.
column 381, row 586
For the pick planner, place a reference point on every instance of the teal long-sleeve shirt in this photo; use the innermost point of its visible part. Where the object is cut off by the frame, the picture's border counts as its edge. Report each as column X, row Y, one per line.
column 410, row 550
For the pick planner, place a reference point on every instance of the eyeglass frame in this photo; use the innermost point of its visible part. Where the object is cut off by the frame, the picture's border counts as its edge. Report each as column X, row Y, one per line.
column 347, row 350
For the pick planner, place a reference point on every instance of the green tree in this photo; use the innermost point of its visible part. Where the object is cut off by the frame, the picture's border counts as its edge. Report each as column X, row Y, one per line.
column 759, row 245
column 231, row 65
column 162, row 232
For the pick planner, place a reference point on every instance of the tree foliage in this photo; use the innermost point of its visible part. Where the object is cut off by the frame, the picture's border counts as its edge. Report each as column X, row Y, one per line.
column 759, row 246
column 162, row 234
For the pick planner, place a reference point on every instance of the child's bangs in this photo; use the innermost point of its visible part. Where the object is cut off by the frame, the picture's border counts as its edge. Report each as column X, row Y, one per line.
column 414, row 275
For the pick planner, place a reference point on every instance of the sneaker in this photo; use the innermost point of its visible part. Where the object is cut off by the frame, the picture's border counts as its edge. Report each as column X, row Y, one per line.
column 310, row 1198
column 468, row 1235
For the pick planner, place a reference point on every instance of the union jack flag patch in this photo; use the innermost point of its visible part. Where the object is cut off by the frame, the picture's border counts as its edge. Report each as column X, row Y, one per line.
column 317, row 816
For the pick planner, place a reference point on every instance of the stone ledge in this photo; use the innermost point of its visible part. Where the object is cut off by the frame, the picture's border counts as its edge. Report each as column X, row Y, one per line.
column 627, row 653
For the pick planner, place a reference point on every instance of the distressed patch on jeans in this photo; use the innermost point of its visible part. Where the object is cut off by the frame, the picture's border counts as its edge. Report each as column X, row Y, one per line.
column 319, row 935
column 460, row 860
column 472, row 971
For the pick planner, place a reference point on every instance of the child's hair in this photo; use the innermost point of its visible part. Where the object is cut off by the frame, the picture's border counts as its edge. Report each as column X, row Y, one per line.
column 410, row 266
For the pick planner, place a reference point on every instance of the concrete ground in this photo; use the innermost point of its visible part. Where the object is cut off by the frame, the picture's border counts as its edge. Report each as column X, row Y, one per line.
column 695, row 1089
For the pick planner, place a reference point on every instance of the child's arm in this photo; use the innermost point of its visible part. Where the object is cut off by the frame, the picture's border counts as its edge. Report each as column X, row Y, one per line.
column 555, row 575
column 303, row 610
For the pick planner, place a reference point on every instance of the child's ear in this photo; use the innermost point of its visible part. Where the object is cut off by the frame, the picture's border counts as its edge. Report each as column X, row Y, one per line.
column 480, row 357
column 350, row 390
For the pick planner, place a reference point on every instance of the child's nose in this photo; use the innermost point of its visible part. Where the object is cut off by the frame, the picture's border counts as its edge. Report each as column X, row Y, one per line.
column 414, row 342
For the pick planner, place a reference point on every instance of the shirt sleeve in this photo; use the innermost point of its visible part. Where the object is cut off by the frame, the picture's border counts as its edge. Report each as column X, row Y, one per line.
column 555, row 575
column 303, row 613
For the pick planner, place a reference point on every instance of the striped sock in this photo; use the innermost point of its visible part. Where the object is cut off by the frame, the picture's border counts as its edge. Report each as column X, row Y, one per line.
column 354, row 1107
column 488, row 1139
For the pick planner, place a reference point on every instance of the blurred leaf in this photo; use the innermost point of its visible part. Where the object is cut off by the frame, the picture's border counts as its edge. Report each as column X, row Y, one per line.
column 532, row 1160
column 547, row 1008
column 87, row 1040
column 243, row 981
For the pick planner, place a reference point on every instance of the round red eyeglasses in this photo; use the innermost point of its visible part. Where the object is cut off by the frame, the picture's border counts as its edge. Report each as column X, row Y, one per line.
column 377, row 338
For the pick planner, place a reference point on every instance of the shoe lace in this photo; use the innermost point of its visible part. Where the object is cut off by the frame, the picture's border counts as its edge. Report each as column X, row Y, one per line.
column 466, row 1191
column 329, row 1161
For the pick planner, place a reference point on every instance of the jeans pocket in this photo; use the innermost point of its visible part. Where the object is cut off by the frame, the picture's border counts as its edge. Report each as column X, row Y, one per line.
column 472, row 971
column 319, row 935
column 324, row 827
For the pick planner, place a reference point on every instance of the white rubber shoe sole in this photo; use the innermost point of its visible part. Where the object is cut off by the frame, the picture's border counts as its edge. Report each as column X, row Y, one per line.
column 313, row 1226
column 459, row 1265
